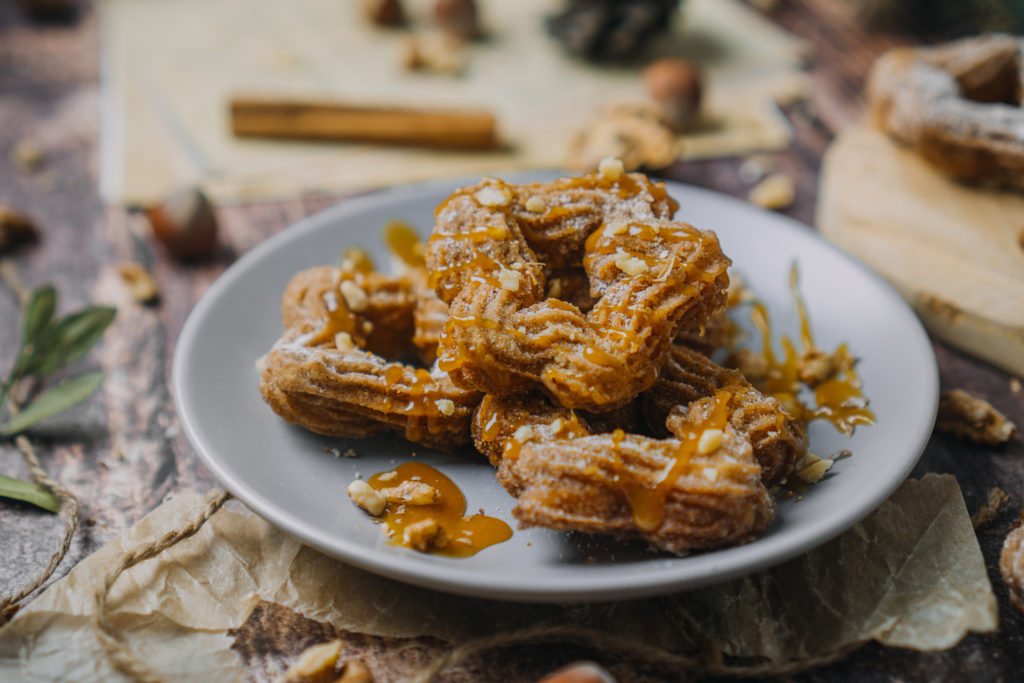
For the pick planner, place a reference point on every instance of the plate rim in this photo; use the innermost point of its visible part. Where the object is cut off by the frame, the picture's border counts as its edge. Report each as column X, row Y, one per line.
column 452, row 579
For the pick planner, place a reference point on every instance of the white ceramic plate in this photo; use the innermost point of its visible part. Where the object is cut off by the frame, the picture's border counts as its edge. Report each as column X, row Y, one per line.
column 283, row 473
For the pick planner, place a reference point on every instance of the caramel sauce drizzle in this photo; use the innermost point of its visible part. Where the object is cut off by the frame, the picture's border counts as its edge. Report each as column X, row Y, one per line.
column 405, row 243
column 648, row 500
column 463, row 535
column 840, row 399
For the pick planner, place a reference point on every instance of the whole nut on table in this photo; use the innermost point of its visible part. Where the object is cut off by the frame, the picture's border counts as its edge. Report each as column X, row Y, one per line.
column 385, row 12
column 185, row 223
column 678, row 86
column 458, row 18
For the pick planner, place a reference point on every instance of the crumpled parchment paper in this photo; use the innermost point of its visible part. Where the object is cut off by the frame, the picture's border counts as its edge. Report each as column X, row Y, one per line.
column 910, row 575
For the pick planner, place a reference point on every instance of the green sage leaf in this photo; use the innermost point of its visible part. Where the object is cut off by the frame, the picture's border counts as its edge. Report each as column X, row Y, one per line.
column 28, row 492
column 53, row 401
column 38, row 312
column 68, row 340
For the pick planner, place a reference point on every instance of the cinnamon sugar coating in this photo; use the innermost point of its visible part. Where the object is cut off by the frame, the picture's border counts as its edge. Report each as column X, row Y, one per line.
column 958, row 105
column 776, row 437
column 665, row 491
column 650, row 277
column 353, row 390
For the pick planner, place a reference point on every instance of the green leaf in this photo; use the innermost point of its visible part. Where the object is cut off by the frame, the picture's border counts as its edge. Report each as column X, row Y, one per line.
column 28, row 492
column 68, row 340
column 38, row 312
column 53, row 401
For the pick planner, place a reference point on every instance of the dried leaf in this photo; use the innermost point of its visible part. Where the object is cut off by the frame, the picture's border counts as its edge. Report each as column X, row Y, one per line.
column 28, row 492
column 38, row 312
column 53, row 401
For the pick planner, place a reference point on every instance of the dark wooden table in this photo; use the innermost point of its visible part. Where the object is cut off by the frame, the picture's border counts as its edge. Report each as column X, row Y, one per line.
column 122, row 452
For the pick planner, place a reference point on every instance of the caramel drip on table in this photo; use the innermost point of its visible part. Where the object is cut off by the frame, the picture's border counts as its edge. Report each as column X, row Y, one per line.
column 839, row 399
column 463, row 535
column 648, row 501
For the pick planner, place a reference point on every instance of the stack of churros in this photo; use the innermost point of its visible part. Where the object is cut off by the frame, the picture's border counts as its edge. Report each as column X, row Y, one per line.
column 563, row 323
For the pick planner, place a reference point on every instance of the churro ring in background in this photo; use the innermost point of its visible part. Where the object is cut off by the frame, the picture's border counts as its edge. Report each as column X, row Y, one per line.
column 697, row 490
column 490, row 253
column 958, row 105
column 331, row 370
column 777, row 439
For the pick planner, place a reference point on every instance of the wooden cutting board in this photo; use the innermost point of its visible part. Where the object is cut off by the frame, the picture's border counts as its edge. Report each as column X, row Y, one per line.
column 956, row 253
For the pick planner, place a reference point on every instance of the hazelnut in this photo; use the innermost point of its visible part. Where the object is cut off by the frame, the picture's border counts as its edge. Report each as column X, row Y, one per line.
column 677, row 86
column 384, row 12
column 458, row 18
column 185, row 223
column 579, row 672
column 15, row 228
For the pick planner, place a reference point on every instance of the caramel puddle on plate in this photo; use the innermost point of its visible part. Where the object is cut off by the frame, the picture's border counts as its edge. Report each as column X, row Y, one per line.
column 839, row 400
column 462, row 537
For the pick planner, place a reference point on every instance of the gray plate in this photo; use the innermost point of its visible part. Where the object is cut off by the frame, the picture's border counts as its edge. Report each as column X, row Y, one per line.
column 283, row 473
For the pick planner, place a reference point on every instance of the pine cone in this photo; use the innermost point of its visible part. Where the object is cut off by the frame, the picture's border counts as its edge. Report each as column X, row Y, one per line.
column 610, row 30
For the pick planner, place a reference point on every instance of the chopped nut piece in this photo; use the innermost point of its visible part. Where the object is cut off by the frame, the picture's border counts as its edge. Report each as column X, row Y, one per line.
column 363, row 495
column 710, row 441
column 139, row 282
column 355, row 296
column 536, row 205
column 557, row 425
column 638, row 135
column 434, row 51
column 1011, row 564
column 710, row 473
column 355, row 672
column 27, row 156
column 993, row 506
column 387, row 476
column 630, row 265
column 972, row 418
column 611, row 168
column 815, row 366
column 775, row 192
column 413, row 493
column 492, row 196
column 555, row 288
column 338, row 453
column 753, row 365
column 509, row 279
column 315, row 665
column 616, row 228
column 425, row 536
column 15, row 229
column 523, row 434
column 446, row 406
column 812, row 469
column 343, row 341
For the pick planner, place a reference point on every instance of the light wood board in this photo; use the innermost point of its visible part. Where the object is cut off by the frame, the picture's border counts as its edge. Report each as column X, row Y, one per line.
column 955, row 252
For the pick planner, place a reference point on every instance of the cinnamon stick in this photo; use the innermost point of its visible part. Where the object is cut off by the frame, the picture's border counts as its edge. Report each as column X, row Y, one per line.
column 320, row 120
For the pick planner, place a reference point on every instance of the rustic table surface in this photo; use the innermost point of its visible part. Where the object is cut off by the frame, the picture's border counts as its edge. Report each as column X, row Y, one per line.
column 122, row 452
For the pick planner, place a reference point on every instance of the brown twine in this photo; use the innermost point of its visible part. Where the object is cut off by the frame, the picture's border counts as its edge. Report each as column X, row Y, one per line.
column 707, row 661
column 70, row 508
column 122, row 658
